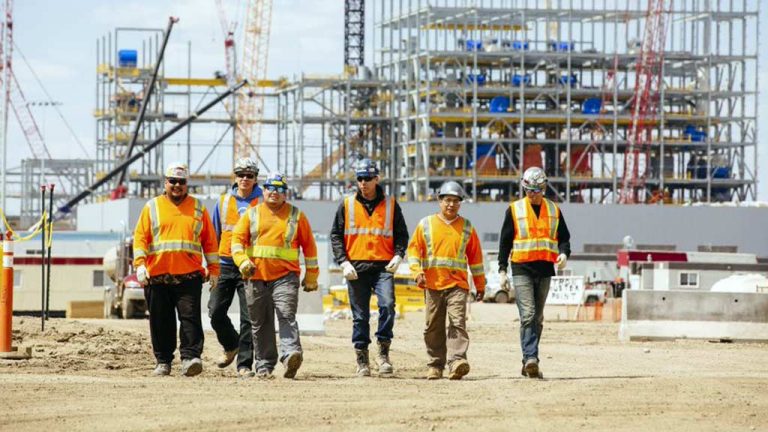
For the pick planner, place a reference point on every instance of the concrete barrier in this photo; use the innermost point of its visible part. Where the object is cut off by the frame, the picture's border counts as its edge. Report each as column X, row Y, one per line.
column 648, row 315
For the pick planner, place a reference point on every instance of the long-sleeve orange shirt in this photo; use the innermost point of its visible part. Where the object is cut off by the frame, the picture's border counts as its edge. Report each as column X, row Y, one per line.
column 171, row 239
column 443, row 252
column 271, row 240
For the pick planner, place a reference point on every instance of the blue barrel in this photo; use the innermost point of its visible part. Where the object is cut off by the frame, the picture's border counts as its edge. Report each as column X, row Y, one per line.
column 480, row 78
column 473, row 45
column 520, row 45
column 484, row 150
column 439, row 133
column 517, row 79
column 560, row 46
column 721, row 172
column 592, row 106
column 127, row 58
column 499, row 104
column 694, row 134
column 569, row 80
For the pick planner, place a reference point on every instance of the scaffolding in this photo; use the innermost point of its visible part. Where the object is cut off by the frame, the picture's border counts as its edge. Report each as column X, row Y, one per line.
column 483, row 89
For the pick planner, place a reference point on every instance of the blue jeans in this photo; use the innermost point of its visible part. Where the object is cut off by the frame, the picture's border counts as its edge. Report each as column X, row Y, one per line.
column 530, row 295
column 382, row 284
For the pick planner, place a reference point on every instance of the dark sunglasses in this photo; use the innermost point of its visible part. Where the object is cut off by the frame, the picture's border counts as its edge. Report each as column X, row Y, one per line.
column 364, row 179
column 176, row 181
column 534, row 191
column 245, row 176
column 270, row 188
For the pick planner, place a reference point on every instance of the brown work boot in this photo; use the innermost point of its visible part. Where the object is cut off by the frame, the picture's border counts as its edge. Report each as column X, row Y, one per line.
column 434, row 373
column 459, row 368
column 531, row 369
column 292, row 364
column 385, row 366
column 226, row 359
column 363, row 366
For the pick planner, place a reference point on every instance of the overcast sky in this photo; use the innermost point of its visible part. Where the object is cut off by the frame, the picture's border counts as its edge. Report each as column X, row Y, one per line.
column 59, row 40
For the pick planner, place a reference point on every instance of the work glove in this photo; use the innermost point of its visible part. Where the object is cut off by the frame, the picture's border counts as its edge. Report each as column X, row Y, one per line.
column 504, row 281
column 247, row 269
column 479, row 296
column 421, row 280
column 561, row 261
column 308, row 286
column 394, row 263
column 142, row 274
column 349, row 271
column 213, row 281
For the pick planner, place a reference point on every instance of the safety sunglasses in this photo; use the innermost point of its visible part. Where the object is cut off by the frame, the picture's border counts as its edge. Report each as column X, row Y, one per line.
column 364, row 179
column 177, row 181
column 534, row 191
column 279, row 189
column 248, row 176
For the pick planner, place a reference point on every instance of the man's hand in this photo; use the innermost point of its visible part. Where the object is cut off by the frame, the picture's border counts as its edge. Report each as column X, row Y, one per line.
column 504, row 280
column 561, row 261
column 213, row 281
column 421, row 280
column 308, row 286
column 394, row 263
column 142, row 274
column 247, row 269
column 479, row 296
column 349, row 271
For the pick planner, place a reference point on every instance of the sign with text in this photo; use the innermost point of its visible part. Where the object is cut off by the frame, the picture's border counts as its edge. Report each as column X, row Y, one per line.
column 566, row 290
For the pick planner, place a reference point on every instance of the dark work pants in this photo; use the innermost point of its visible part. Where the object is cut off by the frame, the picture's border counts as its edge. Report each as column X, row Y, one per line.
column 164, row 302
column 231, row 282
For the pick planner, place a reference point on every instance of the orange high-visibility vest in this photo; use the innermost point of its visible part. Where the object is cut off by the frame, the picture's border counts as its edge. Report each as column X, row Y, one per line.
column 535, row 237
column 369, row 237
column 443, row 252
column 229, row 216
column 272, row 241
column 171, row 239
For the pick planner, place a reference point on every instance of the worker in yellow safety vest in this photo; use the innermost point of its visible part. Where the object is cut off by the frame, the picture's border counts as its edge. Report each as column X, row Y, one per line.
column 173, row 235
column 534, row 233
column 265, row 247
column 244, row 194
column 441, row 250
column 369, row 238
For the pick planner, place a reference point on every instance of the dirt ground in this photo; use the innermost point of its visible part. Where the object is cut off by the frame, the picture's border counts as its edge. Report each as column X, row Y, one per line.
column 95, row 375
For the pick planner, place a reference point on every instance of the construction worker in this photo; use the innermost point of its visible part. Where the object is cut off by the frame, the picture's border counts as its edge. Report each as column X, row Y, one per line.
column 369, row 238
column 244, row 194
column 439, row 252
column 265, row 247
column 535, row 234
column 173, row 235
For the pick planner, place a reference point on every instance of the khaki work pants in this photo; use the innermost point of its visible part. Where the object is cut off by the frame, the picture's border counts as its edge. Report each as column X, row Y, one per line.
column 442, row 344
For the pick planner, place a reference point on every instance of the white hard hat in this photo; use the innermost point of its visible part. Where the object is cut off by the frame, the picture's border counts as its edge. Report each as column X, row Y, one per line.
column 177, row 170
column 451, row 188
column 366, row 168
column 534, row 179
column 246, row 164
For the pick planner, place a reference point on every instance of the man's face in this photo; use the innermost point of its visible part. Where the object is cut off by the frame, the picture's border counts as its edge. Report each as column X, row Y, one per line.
column 367, row 185
column 274, row 194
column 534, row 195
column 245, row 180
column 449, row 206
column 175, row 188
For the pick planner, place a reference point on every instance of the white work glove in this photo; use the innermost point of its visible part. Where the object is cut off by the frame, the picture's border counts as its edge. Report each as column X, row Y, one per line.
column 308, row 286
column 504, row 281
column 561, row 261
column 213, row 281
column 394, row 263
column 247, row 269
column 349, row 271
column 142, row 274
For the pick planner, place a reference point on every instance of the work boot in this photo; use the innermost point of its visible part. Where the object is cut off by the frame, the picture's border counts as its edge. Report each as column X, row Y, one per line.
column 226, row 359
column 363, row 368
column 292, row 364
column 162, row 369
column 434, row 373
column 191, row 367
column 531, row 369
column 459, row 368
column 245, row 373
column 264, row 374
column 385, row 366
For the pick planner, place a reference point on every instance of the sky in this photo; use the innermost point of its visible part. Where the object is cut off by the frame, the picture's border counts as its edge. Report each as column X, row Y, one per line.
column 59, row 41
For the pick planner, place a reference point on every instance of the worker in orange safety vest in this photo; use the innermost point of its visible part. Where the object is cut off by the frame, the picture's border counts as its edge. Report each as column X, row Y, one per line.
column 441, row 249
column 534, row 239
column 265, row 247
column 173, row 235
column 244, row 194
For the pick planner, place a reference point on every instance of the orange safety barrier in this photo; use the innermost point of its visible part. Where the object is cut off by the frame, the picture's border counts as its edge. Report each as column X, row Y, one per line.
column 6, row 295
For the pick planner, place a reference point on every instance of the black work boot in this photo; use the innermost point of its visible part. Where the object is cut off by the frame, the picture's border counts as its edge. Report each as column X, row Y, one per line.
column 363, row 369
column 385, row 366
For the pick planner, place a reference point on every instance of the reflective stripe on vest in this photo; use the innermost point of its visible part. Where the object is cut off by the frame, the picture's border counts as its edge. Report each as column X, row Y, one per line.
column 349, row 209
column 223, row 212
column 175, row 245
column 453, row 263
column 285, row 252
column 531, row 243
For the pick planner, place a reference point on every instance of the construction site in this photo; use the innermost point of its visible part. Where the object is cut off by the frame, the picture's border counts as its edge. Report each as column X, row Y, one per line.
column 644, row 116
